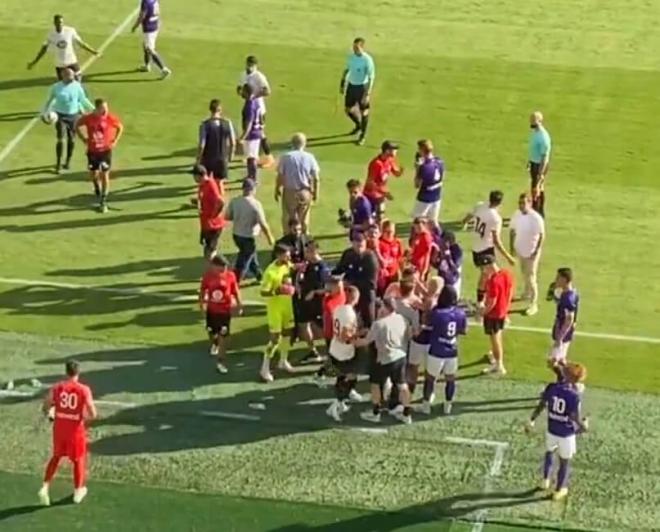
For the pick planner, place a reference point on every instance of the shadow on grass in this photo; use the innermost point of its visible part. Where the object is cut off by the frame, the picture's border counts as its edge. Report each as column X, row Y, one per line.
column 119, row 76
column 17, row 511
column 23, row 116
column 26, row 83
column 119, row 173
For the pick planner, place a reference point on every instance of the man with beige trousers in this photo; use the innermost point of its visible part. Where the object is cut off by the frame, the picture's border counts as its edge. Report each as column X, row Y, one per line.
column 526, row 240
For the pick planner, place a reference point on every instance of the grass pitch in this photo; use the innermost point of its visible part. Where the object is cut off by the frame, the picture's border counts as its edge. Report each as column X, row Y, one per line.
column 465, row 75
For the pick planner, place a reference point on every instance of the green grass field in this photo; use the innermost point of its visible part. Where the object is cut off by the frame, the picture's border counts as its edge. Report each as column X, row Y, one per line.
column 115, row 290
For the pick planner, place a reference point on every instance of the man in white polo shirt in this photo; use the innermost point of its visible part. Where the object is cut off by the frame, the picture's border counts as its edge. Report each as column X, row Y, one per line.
column 62, row 39
column 526, row 239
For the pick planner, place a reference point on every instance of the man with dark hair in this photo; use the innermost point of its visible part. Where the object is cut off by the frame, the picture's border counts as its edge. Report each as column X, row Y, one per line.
column 359, row 266
column 211, row 203
column 428, row 182
column 68, row 404
column 149, row 19
column 103, row 132
column 216, row 143
column 378, row 172
column 567, row 298
column 357, row 83
column 218, row 295
column 295, row 240
column 361, row 209
column 253, row 130
column 390, row 334
column 449, row 261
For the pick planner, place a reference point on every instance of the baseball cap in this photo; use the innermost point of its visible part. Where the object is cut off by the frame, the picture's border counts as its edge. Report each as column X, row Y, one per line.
column 486, row 260
column 249, row 184
column 389, row 145
column 199, row 170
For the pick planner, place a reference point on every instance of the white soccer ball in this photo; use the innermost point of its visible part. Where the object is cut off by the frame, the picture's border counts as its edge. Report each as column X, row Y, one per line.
column 49, row 117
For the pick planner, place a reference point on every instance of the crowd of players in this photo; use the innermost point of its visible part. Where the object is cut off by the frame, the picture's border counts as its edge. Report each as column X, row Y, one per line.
column 387, row 309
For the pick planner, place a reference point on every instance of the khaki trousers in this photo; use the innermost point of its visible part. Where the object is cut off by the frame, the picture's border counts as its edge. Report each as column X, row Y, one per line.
column 529, row 268
column 296, row 205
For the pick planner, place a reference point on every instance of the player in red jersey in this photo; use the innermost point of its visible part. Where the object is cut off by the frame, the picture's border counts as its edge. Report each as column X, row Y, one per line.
column 217, row 294
column 334, row 297
column 210, row 203
column 421, row 247
column 379, row 170
column 391, row 251
column 68, row 404
column 103, row 132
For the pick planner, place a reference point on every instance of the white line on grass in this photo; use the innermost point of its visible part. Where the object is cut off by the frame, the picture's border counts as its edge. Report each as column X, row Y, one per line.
column 494, row 471
column 118, row 404
column 229, row 415
column 28, row 127
column 180, row 298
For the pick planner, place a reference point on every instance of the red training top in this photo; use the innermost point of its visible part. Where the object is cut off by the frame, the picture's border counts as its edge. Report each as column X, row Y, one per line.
column 71, row 400
column 420, row 251
column 100, row 131
column 210, row 205
column 392, row 253
column 330, row 304
column 378, row 172
column 219, row 290
column 499, row 287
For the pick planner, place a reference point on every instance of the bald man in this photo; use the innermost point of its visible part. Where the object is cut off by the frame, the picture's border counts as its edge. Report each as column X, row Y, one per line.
column 539, row 160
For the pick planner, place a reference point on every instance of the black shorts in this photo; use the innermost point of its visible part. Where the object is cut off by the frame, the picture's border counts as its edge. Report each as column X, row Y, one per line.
column 343, row 367
column 209, row 239
column 99, row 160
column 218, row 167
column 218, row 323
column 75, row 67
column 66, row 124
column 492, row 325
column 478, row 256
column 310, row 311
column 395, row 371
column 535, row 173
column 366, row 307
column 354, row 95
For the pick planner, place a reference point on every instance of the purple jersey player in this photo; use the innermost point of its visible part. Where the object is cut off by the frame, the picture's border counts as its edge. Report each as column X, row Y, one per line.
column 253, row 130
column 149, row 20
column 562, row 400
column 447, row 322
column 563, row 329
column 362, row 212
column 428, row 181
column 450, row 261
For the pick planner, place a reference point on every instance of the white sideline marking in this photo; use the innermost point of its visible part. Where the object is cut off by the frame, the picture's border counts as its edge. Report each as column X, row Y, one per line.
column 473, row 442
column 494, row 471
column 17, row 393
column 28, row 127
column 369, row 430
column 119, row 404
column 229, row 415
column 248, row 303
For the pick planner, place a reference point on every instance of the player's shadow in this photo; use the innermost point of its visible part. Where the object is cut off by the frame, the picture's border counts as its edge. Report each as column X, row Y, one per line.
column 188, row 153
column 8, row 513
column 17, row 117
column 25, row 171
column 26, row 83
column 119, row 76
column 452, row 507
column 324, row 143
column 119, row 173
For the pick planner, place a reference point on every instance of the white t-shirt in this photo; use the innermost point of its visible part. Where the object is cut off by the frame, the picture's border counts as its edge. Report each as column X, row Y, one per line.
column 528, row 228
column 62, row 44
column 257, row 82
column 344, row 321
column 486, row 220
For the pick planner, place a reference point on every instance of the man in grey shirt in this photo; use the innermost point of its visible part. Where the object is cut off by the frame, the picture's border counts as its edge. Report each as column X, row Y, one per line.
column 390, row 334
column 297, row 183
column 247, row 215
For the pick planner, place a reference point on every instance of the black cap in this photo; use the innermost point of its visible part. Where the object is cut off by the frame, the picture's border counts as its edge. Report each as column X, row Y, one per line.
column 251, row 60
column 389, row 145
column 486, row 260
column 199, row 170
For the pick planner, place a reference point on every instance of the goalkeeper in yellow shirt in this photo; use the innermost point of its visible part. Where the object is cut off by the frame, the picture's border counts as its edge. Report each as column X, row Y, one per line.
column 277, row 288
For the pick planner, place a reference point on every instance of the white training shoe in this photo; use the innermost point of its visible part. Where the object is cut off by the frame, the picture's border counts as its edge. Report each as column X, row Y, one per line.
column 214, row 350
column 221, row 368
column 9, row 386
column 532, row 310
column 424, row 408
column 492, row 368
column 343, row 407
column 355, row 396
column 396, row 411
column 266, row 376
column 446, row 408
column 370, row 416
column 406, row 419
column 165, row 73
column 333, row 411
column 545, row 484
column 284, row 365
column 321, row 381
column 79, row 494
column 44, row 497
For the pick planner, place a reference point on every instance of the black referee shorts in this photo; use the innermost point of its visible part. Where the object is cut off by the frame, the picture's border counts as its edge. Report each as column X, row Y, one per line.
column 354, row 95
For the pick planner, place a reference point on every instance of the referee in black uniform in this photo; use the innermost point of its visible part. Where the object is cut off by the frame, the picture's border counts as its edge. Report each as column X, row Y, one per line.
column 217, row 143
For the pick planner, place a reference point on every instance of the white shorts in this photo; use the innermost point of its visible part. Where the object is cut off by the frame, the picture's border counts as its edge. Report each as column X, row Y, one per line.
column 251, row 148
column 427, row 210
column 457, row 287
column 564, row 445
column 417, row 353
column 149, row 40
column 559, row 352
column 445, row 366
column 262, row 105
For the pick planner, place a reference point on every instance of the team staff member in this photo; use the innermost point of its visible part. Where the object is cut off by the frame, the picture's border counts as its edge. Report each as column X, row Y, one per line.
column 295, row 240
column 379, row 170
column 499, row 292
column 217, row 143
column 67, row 98
column 62, row 39
column 210, row 203
column 357, row 82
column 526, row 240
column 103, row 132
column 298, row 183
column 540, row 145
column 359, row 266
column 218, row 294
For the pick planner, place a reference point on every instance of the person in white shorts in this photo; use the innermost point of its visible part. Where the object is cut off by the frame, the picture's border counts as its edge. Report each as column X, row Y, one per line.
column 342, row 354
column 149, row 19
column 258, row 82
column 253, row 130
column 487, row 230
column 429, row 175
column 62, row 39
column 447, row 322
column 568, row 302
column 527, row 233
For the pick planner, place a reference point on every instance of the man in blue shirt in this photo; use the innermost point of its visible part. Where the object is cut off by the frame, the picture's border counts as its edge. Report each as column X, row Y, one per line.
column 357, row 82
column 540, row 145
column 67, row 98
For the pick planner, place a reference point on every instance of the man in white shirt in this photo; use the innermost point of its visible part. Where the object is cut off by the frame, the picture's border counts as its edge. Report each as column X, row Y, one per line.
column 526, row 239
column 487, row 231
column 258, row 82
column 62, row 39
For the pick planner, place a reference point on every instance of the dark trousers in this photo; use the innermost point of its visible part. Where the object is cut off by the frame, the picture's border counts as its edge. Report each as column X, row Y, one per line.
column 247, row 259
column 537, row 188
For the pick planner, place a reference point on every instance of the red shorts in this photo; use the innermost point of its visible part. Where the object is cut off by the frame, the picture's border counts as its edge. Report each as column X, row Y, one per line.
column 72, row 447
